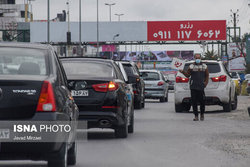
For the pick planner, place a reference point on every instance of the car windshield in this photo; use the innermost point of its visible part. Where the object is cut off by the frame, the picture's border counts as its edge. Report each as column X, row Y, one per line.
column 88, row 69
column 22, row 61
column 150, row 76
column 234, row 75
column 212, row 67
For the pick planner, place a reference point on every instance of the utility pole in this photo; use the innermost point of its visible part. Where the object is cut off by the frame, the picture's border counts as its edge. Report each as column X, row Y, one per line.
column 235, row 16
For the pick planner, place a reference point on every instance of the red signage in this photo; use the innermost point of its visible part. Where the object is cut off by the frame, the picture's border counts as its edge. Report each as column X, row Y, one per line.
column 187, row 30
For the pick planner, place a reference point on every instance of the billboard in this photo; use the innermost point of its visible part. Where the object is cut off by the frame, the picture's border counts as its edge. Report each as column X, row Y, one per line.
column 149, row 55
column 186, row 30
column 236, row 58
column 131, row 31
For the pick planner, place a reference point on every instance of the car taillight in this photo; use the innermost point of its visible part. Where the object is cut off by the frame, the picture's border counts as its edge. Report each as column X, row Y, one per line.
column 111, row 86
column 110, row 107
column 221, row 78
column 181, row 80
column 160, row 83
column 46, row 100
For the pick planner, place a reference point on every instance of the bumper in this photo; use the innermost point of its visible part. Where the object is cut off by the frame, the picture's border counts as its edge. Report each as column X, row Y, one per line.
column 151, row 93
column 100, row 119
column 171, row 87
column 248, row 89
column 213, row 97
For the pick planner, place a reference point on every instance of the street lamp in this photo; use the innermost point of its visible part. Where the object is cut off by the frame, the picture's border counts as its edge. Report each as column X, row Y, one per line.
column 97, row 26
column 115, row 36
column 48, row 22
column 80, row 27
column 110, row 5
column 68, row 33
column 119, row 16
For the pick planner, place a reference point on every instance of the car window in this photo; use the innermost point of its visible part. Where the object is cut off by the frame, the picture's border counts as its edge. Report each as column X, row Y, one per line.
column 88, row 69
column 136, row 70
column 22, row 61
column 212, row 67
column 150, row 76
column 119, row 73
column 129, row 69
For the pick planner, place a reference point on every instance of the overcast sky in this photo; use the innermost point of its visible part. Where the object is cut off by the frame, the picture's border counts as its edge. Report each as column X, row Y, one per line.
column 149, row 10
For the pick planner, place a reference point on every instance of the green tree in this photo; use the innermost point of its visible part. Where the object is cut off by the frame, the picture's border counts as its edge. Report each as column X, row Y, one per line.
column 211, row 55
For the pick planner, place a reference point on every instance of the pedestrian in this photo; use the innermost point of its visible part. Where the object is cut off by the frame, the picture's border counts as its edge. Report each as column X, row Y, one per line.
column 199, row 75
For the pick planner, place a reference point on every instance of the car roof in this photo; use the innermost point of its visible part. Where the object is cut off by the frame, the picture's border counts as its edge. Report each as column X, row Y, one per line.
column 86, row 59
column 26, row 45
column 127, row 62
column 205, row 61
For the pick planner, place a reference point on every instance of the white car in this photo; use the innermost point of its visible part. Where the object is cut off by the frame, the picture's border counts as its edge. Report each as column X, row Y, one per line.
column 219, row 91
column 247, row 77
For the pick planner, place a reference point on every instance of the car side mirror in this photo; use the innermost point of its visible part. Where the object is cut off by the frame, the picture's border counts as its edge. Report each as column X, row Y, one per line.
column 131, row 79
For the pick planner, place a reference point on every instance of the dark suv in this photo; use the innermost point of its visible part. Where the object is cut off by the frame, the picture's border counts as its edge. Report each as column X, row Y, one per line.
column 33, row 88
column 99, row 90
column 138, row 84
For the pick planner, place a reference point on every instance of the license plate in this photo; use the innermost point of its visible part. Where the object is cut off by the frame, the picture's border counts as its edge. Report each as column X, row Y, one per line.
column 148, row 85
column 80, row 93
column 4, row 133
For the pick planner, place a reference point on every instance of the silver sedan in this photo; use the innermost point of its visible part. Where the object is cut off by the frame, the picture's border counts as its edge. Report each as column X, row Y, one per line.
column 156, row 86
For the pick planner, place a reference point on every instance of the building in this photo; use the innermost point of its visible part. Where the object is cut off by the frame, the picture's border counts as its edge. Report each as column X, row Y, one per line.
column 10, row 15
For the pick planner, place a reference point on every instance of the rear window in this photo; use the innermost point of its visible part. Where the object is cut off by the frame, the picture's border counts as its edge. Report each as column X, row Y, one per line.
column 234, row 75
column 212, row 67
column 88, row 69
column 151, row 76
column 22, row 61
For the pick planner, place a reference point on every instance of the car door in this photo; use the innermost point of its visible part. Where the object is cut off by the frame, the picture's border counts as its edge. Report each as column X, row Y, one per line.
column 69, row 105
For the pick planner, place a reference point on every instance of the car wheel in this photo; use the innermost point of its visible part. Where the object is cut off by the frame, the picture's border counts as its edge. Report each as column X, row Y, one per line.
column 121, row 132
column 186, row 107
column 72, row 154
column 166, row 98
column 61, row 158
column 235, row 102
column 227, row 107
column 143, row 103
column 131, row 126
column 138, row 104
column 178, row 108
column 162, row 99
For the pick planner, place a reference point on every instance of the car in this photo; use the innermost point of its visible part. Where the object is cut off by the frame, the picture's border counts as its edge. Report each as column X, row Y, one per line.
column 248, row 87
column 130, row 95
column 33, row 88
column 170, row 79
column 247, row 77
column 237, row 80
column 156, row 86
column 219, row 91
column 138, row 84
column 99, row 90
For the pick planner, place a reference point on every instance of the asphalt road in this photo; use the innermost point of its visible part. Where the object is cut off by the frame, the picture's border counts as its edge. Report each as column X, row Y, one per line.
column 165, row 138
